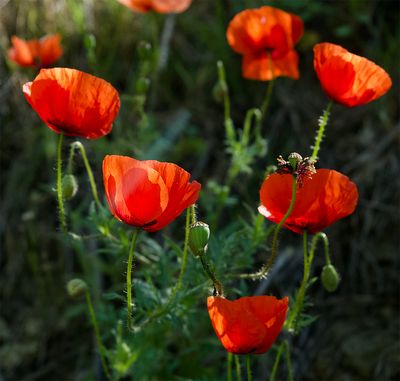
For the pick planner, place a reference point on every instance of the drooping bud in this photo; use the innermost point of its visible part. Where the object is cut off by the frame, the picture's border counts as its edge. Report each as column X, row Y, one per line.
column 330, row 278
column 220, row 90
column 76, row 288
column 69, row 186
column 199, row 235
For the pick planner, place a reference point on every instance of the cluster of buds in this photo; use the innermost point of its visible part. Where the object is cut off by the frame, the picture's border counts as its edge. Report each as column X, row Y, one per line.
column 297, row 166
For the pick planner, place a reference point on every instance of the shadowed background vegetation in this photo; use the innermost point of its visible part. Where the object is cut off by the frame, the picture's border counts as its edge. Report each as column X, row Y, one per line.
column 44, row 335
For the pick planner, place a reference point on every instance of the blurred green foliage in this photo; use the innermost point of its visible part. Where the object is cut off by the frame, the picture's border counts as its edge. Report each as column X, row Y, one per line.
column 168, row 113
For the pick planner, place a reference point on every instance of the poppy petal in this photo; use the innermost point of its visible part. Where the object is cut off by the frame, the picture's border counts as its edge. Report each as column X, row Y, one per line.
column 136, row 193
column 73, row 102
column 322, row 200
column 21, row 52
column 262, row 67
column 182, row 193
column 50, row 49
column 349, row 79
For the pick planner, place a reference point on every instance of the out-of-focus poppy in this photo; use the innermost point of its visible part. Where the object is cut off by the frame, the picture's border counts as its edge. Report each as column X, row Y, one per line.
column 73, row 102
column 249, row 324
column 159, row 6
column 266, row 37
column 39, row 53
column 147, row 194
column 323, row 199
column 349, row 79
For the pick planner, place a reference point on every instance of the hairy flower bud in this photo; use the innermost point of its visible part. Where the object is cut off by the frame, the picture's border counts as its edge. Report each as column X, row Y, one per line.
column 69, row 186
column 142, row 85
column 76, row 288
column 330, row 278
column 199, row 235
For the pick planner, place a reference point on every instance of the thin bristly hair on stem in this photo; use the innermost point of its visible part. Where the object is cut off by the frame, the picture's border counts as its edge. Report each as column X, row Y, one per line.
column 322, row 123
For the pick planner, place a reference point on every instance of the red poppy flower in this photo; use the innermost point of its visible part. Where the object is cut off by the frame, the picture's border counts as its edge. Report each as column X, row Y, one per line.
column 249, row 324
column 147, row 194
column 35, row 52
column 160, row 6
column 266, row 37
column 323, row 199
column 349, row 79
column 73, row 102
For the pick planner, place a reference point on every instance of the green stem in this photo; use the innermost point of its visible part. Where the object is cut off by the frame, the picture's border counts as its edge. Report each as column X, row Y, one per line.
column 320, row 134
column 274, row 248
column 288, row 360
column 267, row 99
column 238, row 370
column 97, row 335
column 217, row 284
column 189, row 216
column 129, row 278
column 293, row 320
column 229, row 366
column 248, row 368
column 276, row 362
column 314, row 243
column 61, row 209
column 79, row 145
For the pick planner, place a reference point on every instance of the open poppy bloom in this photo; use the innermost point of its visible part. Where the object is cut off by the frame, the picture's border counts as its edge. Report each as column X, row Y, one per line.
column 349, row 79
column 72, row 102
column 266, row 37
column 159, row 6
column 35, row 52
column 322, row 200
column 249, row 324
column 147, row 194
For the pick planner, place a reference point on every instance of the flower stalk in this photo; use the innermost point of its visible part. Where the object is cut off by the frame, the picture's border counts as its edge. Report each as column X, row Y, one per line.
column 129, row 279
column 60, row 199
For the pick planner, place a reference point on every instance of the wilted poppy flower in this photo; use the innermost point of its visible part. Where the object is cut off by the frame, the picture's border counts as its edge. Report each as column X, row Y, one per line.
column 148, row 194
column 72, row 102
column 35, row 52
column 323, row 199
column 349, row 79
column 160, row 6
column 266, row 37
column 249, row 324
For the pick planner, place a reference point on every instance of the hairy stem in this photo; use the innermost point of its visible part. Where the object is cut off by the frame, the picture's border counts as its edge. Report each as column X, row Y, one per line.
column 129, row 278
column 61, row 209
column 323, row 121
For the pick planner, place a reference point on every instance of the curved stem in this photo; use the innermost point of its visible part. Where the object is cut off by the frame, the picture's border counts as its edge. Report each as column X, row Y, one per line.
column 293, row 320
column 274, row 248
column 238, row 370
column 314, row 242
column 97, row 335
column 229, row 366
column 129, row 278
column 79, row 145
column 217, row 284
column 323, row 121
column 61, row 209
column 248, row 368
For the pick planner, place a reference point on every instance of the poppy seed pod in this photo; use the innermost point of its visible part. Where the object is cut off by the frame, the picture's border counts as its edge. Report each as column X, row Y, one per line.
column 76, row 288
column 330, row 278
column 294, row 160
column 199, row 234
column 69, row 186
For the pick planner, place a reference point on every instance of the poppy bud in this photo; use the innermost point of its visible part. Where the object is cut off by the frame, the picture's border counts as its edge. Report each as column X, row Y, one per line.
column 144, row 50
column 142, row 85
column 330, row 278
column 294, row 159
column 69, row 186
column 199, row 235
column 76, row 288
